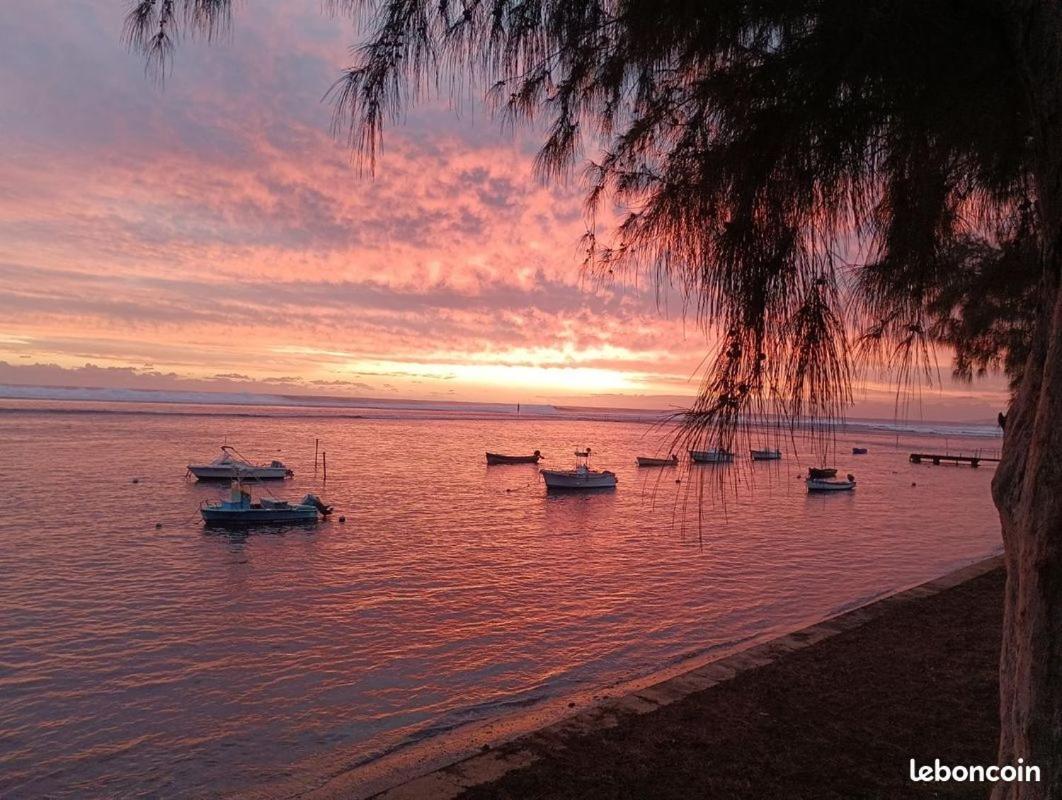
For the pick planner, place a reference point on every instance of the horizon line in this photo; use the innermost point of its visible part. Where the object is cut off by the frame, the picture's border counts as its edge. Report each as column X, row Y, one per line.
column 253, row 398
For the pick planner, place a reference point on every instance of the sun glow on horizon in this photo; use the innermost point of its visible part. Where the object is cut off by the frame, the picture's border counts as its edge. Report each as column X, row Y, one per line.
column 564, row 379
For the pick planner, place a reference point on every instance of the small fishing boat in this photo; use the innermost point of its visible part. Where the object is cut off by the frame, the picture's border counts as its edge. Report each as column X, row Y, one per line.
column 766, row 455
column 831, row 485
column 240, row 510
column 822, row 472
column 646, row 461
column 859, row 451
column 582, row 477
column 719, row 456
column 498, row 458
column 228, row 466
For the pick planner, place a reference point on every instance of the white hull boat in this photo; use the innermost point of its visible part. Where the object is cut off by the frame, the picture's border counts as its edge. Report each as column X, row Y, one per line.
column 831, row 484
column 579, row 479
column 712, row 456
column 241, row 511
column 766, row 455
column 227, row 467
column 582, row 477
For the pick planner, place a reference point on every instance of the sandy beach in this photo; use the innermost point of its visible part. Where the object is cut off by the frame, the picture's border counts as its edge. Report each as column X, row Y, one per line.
column 834, row 711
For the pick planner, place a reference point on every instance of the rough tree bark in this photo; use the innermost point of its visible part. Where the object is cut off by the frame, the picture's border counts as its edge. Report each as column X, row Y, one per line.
column 1027, row 487
column 1028, row 492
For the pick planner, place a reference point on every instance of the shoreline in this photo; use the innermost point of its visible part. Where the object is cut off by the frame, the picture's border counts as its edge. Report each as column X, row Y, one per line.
column 461, row 762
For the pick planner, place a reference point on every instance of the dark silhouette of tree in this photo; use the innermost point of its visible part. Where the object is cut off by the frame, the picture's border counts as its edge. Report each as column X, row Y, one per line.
column 803, row 170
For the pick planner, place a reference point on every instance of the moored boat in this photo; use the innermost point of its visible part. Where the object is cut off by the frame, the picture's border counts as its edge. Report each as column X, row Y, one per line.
column 499, row 458
column 859, row 451
column 816, row 473
column 766, row 455
column 831, row 485
column 718, row 456
column 582, row 477
column 647, row 461
column 228, row 466
column 241, row 511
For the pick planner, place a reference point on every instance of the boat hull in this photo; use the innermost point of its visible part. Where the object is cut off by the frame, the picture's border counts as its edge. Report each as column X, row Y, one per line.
column 766, row 455
column 568, row 481
column 498, row 458
column 259, row 516
column 211, row 473
column 821, row 485
column 645, row 461
column 711, row 456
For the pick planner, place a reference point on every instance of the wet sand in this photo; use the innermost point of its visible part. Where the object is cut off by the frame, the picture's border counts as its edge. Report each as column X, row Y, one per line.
column 834, row 711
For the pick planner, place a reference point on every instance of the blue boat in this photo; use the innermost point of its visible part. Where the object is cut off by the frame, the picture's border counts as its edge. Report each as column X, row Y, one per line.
column 241, row 511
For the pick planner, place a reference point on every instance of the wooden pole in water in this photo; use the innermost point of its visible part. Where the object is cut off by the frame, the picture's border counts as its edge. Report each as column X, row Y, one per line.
column 316, row 443
column 324, row 462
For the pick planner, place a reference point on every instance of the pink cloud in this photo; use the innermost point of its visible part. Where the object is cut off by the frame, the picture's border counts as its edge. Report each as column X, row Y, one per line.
column 215, row 228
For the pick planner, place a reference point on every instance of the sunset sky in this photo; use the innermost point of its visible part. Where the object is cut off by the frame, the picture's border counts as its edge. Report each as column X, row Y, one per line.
column 212, row 235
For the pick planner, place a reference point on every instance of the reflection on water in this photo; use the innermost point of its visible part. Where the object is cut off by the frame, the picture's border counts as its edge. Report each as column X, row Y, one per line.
column 183, row 662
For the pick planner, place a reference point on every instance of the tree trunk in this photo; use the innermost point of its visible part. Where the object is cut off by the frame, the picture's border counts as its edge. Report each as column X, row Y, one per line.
column 1028, row 492
column 1027, row 487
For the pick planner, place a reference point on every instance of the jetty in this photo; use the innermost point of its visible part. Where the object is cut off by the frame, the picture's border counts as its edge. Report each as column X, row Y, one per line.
column 938, row 459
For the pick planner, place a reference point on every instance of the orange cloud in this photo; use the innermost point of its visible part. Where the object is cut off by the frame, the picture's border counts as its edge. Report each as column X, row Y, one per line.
column 215, row 229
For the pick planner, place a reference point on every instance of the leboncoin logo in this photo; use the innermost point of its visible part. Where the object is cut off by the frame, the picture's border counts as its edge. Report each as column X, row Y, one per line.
column 1020, row 773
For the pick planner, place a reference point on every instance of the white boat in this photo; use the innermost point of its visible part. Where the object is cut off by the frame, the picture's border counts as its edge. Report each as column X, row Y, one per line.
column 228, row 466
column 582, row 477
column 712, row 456
column 831, row 484
column 240, row 510
column 766, row 455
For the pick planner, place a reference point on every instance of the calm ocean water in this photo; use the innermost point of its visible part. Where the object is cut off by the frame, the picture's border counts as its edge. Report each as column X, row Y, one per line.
column 180, row 663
